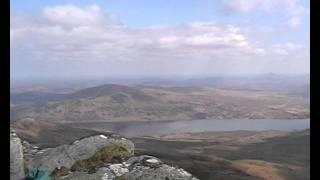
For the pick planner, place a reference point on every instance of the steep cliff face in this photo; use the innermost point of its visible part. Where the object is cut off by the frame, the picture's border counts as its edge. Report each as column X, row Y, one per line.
column 103, row 157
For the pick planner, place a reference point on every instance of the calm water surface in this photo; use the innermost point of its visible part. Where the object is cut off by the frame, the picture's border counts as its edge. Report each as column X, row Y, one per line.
column 135, row 129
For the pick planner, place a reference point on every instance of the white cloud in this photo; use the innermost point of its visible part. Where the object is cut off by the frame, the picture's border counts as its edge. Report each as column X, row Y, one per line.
column 294, row 10
column 287, row 49
column 294, row 22
column 289, row 46
column 71, row 35
column 204, row 39
column 281, row 51
column 289, row 7
column 241, row 6
column 71, row 15
column 260, row 51
column 168, row 41
column 233, row 29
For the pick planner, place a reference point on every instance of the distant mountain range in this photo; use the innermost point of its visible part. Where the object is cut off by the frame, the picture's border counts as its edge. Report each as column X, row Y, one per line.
column 297, row 85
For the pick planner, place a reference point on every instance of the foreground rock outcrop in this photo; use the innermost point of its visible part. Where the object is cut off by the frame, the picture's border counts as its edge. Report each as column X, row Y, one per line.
column 16, row 157
column 86, row 154
column 99, row 157
column 138, row 167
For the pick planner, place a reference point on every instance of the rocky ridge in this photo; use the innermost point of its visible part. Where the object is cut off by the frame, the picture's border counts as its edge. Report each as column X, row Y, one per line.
column 99, row 157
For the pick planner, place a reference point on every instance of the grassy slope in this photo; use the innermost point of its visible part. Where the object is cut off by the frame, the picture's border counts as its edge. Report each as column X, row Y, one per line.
column 287, row 157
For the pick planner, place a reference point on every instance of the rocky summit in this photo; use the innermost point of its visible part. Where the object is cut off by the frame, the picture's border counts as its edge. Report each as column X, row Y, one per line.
column 99, row 157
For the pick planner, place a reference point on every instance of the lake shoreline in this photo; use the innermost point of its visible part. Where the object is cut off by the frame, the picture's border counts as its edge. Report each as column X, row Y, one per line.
column 138, row 129
column 159, row 121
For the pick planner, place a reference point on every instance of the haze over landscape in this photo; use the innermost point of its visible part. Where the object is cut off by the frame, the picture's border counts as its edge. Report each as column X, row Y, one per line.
column 218, row 88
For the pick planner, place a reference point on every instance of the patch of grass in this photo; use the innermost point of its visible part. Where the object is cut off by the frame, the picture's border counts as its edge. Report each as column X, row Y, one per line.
column 120, row 178
column 63, row 171
column 103, row 155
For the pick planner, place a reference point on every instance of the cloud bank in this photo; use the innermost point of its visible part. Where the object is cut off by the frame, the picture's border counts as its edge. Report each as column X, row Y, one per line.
column 69, row 40
column 293, row 10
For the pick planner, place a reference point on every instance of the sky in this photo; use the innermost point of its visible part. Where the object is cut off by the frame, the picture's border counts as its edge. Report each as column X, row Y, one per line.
column 118, row 38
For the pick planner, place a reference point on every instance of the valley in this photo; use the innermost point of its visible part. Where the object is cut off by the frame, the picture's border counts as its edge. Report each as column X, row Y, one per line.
column 215, row 131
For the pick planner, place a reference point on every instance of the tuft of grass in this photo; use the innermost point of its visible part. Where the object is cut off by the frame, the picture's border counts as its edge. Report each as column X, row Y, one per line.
column 107, row 154
column 63, row 171
column 120, row 178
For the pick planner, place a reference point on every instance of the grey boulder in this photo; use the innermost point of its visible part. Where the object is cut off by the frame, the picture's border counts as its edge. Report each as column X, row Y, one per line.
column 82, row 155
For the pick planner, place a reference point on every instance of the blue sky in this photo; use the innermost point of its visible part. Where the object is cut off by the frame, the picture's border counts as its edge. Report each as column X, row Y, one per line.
column 177, row 30
column 141, row 13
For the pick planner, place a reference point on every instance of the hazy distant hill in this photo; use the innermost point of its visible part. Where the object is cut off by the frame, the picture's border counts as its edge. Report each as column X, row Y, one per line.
column 297, row 85
column 286, row 84
column 36, row 97
column 29, row 98
column 142, row 103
